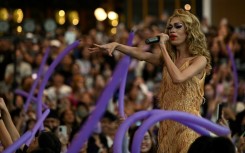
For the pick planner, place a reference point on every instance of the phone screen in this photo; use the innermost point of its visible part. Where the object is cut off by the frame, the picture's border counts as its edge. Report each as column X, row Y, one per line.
column 63, row 130
column 220, row 109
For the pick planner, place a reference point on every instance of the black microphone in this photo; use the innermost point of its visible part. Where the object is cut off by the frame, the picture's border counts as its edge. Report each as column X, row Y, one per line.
column 152, row 40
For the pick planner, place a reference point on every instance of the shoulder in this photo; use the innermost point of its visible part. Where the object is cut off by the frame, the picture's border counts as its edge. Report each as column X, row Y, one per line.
column 199, row 59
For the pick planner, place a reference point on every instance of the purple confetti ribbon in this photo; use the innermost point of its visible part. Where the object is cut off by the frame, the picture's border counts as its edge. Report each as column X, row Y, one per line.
column 178, row 116
column 18, row 143
column 25, row 94
column 124, row 80
column 49, row 73
column 38, row 125
column 39, row 75
column 99, row 110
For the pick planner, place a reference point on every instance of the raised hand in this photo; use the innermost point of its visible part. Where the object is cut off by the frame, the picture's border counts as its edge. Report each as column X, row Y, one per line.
column 110, row 47
column 163, row 38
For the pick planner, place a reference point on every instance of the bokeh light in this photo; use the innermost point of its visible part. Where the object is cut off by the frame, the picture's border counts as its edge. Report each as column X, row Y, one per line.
column 73, row 17
column 112, row 15
column 187, row 7
column 19, row 29
column 100, row 14
column 18, row 15
column 114, row 23
column 113, row 30
column 4, row 14
column 60, row 17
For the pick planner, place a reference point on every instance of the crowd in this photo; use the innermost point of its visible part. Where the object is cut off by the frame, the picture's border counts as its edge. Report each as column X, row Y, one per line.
column 79, row 79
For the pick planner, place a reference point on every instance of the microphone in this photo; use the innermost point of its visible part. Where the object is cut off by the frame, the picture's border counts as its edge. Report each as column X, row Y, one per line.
column 152, row 40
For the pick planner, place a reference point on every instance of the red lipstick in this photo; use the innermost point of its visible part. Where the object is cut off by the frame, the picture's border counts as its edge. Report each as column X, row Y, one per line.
column 173, row 37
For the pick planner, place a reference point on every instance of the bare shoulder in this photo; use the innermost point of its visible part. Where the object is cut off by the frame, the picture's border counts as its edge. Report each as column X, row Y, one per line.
column 199, row 59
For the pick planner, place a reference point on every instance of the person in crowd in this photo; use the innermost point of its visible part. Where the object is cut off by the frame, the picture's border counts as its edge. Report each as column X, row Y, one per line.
column 52, row 121
column 45, row 141
column 148, row 144
column 109, row 126
column 207, row 144
column 58, row 90
column 185, row 60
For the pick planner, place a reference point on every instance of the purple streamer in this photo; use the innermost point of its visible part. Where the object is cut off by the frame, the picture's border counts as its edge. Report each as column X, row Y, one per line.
column 39, row 75
column 17, row 144
column 119, row 74
column 118, row 140
column 235, row 75
column 177, row 116
column 25, row 94
column 49, row 73
column 37, row 125
column 124, row 80
column 99, row 110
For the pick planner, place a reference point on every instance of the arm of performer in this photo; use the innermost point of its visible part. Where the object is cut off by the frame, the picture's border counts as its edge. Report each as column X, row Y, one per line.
column 196, row 67
column 8, row 121
column 134, row 52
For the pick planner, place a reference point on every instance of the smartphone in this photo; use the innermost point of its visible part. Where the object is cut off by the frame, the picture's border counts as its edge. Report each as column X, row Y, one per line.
column 62, row 130
column 220, row 109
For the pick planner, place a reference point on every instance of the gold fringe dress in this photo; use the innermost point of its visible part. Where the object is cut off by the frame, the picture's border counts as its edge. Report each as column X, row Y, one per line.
column 174, row 137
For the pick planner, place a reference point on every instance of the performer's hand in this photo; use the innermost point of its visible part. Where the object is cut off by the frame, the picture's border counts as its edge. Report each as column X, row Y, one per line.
column 110, row 47
column 163, row 38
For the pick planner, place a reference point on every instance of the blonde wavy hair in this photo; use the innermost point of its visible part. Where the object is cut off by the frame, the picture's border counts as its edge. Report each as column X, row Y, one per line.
column 196, row 39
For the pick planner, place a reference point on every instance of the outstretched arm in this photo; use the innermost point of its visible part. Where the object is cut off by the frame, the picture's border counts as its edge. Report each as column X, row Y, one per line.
column 134, row 52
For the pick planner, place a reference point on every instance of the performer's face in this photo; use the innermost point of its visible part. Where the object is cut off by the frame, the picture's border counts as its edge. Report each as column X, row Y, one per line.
column 176, row 31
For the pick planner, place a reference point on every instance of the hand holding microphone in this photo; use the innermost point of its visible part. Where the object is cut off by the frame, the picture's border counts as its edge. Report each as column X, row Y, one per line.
column 162, row 38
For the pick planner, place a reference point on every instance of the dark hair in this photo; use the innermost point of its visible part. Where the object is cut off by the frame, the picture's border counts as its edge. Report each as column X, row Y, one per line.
column 206, row 144
column 48, row 140
column 42, row 150
column 131, row 136
column 110, row 116
column 53, row 114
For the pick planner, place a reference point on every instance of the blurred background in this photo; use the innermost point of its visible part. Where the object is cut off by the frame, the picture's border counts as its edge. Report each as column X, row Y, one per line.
column 30, row 15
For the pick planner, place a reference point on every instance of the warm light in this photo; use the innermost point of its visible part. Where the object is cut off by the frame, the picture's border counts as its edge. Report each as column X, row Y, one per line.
column 112, row 15
column 114, row 23
column 19, row 29
column 4, row 15
column 60, row 17
column 73, row 17
column 62, row 13
column 113, row 30
column 61, row 21
column 187, row 7
column 100, row 14
column 75, row 21
column 18, row 15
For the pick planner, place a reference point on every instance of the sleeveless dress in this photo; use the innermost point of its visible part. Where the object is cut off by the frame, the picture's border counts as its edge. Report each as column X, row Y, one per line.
column 174, row 137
